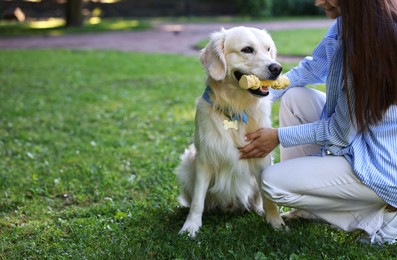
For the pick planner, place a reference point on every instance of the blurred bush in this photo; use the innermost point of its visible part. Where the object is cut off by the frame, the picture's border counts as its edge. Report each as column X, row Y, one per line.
column 256, row 8
column 261, row 8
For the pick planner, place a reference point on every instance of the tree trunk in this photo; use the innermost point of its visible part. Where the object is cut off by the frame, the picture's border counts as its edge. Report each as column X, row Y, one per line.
column 74, row 13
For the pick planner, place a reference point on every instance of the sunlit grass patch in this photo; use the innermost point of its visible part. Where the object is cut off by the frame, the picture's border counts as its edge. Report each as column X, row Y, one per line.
column 124, row 24
column 46, row 24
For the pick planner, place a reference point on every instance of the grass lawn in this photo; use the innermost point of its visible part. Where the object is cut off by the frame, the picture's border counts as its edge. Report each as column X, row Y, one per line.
column 297, row 42
column 88, row 144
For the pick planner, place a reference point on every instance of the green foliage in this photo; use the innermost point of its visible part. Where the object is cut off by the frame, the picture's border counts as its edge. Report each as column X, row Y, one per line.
column 295, row 8
column 263, row 8
column 255, row 8
column 88, row 144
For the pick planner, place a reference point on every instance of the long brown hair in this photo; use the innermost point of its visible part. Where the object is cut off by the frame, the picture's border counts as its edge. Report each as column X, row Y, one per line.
column 369, row 34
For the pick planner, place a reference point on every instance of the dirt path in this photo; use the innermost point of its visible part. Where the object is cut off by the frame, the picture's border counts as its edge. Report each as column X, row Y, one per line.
column 162, row 39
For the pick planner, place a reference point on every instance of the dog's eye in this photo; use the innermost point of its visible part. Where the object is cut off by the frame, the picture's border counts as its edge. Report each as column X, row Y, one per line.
column 268, row 49
column 247, row 49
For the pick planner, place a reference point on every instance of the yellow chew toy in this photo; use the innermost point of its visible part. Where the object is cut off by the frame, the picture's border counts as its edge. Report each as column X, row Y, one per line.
column 252, row 82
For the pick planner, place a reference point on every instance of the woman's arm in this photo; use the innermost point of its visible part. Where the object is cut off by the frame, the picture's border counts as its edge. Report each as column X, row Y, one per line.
column 335, row 132
column 313, row 69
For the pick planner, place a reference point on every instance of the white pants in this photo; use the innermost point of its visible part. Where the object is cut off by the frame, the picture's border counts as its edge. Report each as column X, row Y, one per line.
column 324, row 186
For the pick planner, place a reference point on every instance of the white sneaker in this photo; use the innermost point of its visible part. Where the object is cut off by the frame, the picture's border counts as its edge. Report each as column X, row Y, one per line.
column 387, row 234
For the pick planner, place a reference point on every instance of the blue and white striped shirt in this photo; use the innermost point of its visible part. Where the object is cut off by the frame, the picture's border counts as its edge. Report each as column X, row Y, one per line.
column 372, row 154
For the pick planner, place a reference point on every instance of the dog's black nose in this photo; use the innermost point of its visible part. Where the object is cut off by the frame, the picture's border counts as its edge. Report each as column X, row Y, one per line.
column 275, row 69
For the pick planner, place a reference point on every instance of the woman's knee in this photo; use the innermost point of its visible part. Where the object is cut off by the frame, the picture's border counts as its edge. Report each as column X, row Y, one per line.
column 292, row 97
column 305, row 104
column 272, row 184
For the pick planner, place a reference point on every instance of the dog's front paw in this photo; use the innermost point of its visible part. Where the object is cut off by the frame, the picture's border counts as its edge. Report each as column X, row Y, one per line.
column 276, row 222
column 190, row 228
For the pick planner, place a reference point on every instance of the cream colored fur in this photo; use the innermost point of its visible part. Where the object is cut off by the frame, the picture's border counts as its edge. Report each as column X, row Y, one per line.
column 211, row 174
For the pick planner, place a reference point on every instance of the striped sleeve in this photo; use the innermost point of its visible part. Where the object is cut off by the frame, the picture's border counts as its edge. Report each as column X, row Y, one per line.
column 336, row 131
column 313, row 69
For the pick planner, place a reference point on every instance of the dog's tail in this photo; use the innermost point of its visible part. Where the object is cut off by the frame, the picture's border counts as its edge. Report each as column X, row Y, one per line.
column 185, row 173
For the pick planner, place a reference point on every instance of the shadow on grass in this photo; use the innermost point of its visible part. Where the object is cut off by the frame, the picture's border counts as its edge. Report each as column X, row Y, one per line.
column 242, row 236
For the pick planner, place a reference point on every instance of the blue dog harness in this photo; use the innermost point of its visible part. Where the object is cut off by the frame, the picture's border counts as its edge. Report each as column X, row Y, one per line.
column 235, row 117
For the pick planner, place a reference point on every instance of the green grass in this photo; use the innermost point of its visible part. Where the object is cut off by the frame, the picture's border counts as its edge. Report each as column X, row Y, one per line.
column 88, row 144
column 287, row 41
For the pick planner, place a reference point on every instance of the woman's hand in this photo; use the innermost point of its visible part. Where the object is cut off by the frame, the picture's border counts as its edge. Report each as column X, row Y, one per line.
column 262, row 142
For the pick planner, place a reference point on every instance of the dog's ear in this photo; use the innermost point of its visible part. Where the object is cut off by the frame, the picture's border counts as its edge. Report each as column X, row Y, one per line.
column 213, row 56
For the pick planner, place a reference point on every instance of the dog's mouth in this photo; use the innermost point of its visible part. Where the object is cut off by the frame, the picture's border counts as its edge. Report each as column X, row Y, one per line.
column 263, row 91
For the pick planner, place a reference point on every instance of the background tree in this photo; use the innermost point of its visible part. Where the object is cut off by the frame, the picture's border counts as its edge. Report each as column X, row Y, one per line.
column 74, row 13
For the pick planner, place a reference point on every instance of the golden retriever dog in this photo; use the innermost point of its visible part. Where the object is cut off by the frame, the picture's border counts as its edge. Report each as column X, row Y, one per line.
column 211, row 173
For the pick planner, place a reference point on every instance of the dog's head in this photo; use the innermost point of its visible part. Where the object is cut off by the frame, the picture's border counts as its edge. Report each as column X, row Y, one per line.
column 241, row 51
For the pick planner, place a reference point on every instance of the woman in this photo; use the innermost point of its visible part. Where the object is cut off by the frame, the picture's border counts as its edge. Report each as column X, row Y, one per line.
column 351, row 182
